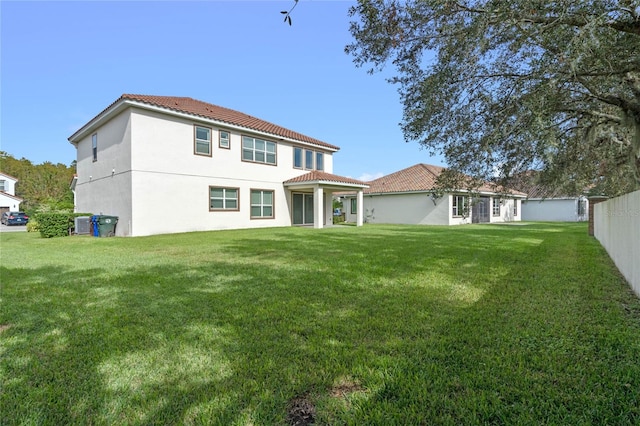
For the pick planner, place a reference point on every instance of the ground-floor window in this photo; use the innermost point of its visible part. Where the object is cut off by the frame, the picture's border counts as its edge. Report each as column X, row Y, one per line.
column 515, row 207
column 261, row 204
column 223, row 198
column 460, row 206
column 496, row 207
column 354, row 206
column 582, row 207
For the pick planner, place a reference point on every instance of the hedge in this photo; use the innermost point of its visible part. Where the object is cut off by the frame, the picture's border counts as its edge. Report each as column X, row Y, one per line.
column 57, row 224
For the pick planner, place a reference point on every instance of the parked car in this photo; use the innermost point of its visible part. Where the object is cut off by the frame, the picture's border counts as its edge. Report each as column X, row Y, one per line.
column 14, row 218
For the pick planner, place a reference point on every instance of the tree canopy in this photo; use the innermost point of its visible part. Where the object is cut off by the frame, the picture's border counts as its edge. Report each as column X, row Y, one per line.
column 43, row 187
column 499, row 87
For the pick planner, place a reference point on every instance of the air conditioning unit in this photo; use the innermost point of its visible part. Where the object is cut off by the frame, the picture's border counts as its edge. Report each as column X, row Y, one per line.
column 83, row 225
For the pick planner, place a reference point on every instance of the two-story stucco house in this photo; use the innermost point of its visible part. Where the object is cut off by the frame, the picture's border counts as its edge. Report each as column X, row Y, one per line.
column 8, row 199
column 167, row 164
column 408, row 196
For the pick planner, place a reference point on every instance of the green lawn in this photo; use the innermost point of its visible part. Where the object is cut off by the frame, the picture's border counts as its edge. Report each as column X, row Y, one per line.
column 490, row 324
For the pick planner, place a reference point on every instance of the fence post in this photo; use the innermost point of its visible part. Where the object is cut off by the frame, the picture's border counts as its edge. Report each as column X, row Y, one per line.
column 593, row 200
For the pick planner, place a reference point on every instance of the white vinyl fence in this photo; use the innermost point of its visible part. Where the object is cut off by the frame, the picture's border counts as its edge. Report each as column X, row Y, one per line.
column 617, row 227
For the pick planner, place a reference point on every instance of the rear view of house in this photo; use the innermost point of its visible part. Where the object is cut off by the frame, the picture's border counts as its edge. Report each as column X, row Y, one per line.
column 408, row 196
column 167, row 164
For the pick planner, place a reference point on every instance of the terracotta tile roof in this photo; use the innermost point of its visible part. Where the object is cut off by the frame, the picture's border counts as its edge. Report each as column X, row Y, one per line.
column 417, row 178
column 421, row 177
column 528, row 182
column 225, row 115
column 326, row 177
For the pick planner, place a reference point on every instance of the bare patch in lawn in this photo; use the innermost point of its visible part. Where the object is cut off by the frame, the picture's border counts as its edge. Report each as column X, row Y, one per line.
column 4, row 327
column 344, row 387
column 301, row 411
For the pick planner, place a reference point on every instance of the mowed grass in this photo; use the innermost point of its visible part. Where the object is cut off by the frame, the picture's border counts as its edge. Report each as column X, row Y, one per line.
column 379, row 325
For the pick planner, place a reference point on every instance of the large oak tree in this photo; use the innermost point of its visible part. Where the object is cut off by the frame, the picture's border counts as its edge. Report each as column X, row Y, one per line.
column 503, row 86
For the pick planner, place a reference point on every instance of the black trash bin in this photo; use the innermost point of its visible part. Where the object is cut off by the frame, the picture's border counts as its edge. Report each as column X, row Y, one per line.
column 106, row 225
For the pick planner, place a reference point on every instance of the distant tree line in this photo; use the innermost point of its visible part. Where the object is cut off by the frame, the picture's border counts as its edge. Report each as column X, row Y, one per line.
column 44, row 187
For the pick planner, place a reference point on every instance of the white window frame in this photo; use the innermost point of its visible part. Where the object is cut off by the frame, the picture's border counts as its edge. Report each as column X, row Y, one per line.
column 225, row 199
column 201, row 142
column 456, row 209
column 495, row 206
column 224, row 143
column 262, row 205
column 249, row 147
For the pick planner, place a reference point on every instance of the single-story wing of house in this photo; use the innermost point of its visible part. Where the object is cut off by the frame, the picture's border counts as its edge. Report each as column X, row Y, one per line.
column 549, row 205
column 409, row 196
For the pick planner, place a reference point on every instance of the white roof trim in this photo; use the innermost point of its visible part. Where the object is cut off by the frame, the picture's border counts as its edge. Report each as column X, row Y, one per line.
column 126, row 103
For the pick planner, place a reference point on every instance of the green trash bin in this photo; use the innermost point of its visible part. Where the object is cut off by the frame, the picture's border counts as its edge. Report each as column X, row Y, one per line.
column 107, row 225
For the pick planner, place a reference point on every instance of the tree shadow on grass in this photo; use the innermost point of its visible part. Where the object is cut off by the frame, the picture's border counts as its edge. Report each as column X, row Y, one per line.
column 234, row 341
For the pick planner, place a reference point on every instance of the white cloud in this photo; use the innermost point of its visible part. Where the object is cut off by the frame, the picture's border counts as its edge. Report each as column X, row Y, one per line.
column 366, row 177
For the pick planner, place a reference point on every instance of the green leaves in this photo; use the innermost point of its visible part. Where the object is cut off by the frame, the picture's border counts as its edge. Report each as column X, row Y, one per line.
column 502, row 87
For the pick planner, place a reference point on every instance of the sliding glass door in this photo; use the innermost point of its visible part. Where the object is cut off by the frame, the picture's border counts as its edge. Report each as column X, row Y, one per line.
column 302, row 209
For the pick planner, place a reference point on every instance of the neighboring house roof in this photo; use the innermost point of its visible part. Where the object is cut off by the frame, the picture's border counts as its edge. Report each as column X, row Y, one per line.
column 420, row 178
column 326, row 178
column 9, row 176
column 194, row 107
column 527, row 182
column 6, row 194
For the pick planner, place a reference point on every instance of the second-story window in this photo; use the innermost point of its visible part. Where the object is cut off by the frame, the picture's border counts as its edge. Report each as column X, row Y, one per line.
column 308, row 159
column 319, row 161
column 297, row 157
column 258, row 150
column 94, row 146
column 225, row 139
column 202, row 141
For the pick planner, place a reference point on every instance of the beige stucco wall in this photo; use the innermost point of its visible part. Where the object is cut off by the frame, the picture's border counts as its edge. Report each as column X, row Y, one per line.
column 148, row 175
column 416, row 209
column 104, row 186
column 506, row 211
column 419, row 209
column 554, row 210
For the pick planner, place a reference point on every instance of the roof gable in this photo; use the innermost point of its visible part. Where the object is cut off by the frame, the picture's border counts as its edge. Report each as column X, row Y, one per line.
column 317, row 176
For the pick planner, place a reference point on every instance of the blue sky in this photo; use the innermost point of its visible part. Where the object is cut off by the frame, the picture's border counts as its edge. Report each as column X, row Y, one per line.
column 64, row 62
